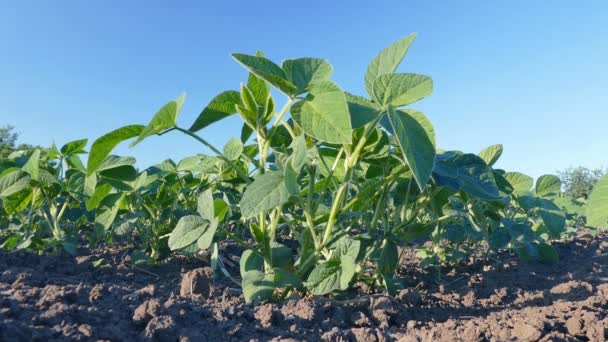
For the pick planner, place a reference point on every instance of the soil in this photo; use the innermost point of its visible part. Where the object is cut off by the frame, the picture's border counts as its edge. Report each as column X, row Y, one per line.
column 52, row 298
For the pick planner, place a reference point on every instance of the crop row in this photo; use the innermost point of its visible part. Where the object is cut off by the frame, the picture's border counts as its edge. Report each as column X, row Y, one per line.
column 320, row 193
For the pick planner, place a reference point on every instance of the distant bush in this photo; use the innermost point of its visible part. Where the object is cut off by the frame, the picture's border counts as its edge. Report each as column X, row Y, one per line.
column 578, row 181
column 8, row 141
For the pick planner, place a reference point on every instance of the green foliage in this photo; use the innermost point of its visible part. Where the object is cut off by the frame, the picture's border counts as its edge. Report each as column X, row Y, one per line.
column 597, row 207
column 321, row 194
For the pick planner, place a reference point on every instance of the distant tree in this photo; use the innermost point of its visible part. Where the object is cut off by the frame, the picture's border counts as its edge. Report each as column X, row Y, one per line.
column 578, row 182
column 8, row 141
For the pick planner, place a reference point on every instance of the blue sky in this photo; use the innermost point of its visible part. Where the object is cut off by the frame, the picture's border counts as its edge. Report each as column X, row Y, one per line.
column 532, row 75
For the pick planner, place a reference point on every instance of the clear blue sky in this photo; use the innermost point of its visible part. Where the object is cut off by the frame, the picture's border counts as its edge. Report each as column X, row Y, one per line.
column 532, row 75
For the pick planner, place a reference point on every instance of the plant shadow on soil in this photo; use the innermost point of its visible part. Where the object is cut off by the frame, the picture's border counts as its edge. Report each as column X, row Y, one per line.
column 65, row 298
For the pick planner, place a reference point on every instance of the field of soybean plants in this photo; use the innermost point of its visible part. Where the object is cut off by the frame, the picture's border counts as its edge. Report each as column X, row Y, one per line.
column 329, row 216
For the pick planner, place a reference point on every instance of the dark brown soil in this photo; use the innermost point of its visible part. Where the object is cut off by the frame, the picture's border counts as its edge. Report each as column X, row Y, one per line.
column 49, row 298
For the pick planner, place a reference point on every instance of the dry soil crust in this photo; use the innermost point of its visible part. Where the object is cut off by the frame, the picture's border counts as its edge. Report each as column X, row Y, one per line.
column 49, row 298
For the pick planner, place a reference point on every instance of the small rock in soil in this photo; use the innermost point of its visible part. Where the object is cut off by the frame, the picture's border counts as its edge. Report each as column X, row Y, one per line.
column 197, row 283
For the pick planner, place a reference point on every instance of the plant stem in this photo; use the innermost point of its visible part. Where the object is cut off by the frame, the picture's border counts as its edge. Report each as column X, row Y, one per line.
column 352, row 161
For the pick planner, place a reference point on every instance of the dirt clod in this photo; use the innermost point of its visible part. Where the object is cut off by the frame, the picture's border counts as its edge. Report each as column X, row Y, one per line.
column 197, row 283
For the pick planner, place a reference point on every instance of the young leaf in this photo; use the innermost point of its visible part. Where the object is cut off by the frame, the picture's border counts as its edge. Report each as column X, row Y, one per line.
column 233, row 149
column 548, row 186
column 324, row 114
column 221, row 106
column 102, row 147
column 303, row 72
column 259, row 88
column 188, row 230
column 416, row 145
column 164, row 119
column 267, row 191
column 597, row 206
column 491, row 154
column 400, row 90
column 387, row 61
column 266, row 70
column 33, row 164
column 74, row 147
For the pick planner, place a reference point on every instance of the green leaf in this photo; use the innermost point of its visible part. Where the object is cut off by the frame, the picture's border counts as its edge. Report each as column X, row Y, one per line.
column 18, row 202
column 266, row 70
column 106, row 216
column 74, row 162
column 553, row 217
column 280, row 255
column 298, row 156
column 347, row 247
column 221, row 208
column 400, row 90
column 348, row 267
column 416, row 144
column 33, row 164
column 324, row 114
column 250, row 261
column 233, row 149
column 205, row 240
column 267, row 191
column 188, row 230
column 164, row 119
column 205, row 205
column 387, row 61
column 548, row 186
column 284, row 278
column 97, row 262
column 303, row 72
column 491, row 154
column 257, row 286
column 100, row 193
column 74, row 147
column 259, row 88
column 125, row 173
column 362, row 111
column 325, row 278
column 102, row 147
column 290, row 175
column 499, row 239
column 519, row 181
column 548, row 253
column 467, row 172
column 13, row 182
column 597, row 205
column 112, row 162
column 220, row 107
